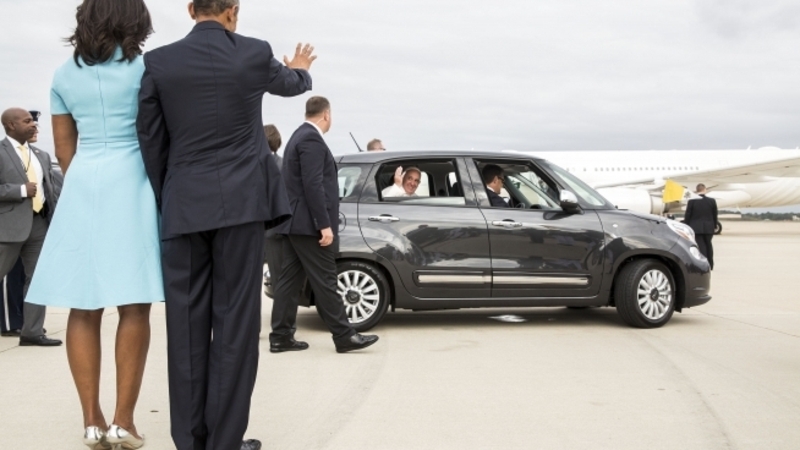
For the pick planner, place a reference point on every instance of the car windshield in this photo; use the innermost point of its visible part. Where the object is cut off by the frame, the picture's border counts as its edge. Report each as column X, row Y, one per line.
column 533, row 189
column 588, row 197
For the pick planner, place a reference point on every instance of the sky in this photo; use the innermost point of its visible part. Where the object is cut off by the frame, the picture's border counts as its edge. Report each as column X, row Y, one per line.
column 527, row 75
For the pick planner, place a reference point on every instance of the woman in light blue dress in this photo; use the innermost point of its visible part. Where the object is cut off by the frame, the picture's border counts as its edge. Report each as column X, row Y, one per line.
column 102, row 248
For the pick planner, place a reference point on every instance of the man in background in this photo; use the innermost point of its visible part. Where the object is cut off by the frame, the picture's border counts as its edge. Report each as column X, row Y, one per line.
column 375, row 145
column 13, row 285
column 494, row 179
column 274, row 142
column 311, row 243
column 27, row 203
column 702, row 216
column 272, row 240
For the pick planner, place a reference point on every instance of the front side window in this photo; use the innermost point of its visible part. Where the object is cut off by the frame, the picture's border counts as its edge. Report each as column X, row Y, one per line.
column 519, row 184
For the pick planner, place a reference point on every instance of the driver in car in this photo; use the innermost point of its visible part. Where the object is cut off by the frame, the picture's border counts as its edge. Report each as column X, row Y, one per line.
column 493, row 178
column 405, row 183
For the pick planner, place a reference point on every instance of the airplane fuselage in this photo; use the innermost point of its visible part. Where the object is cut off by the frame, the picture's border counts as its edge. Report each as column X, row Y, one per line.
column 602, row 168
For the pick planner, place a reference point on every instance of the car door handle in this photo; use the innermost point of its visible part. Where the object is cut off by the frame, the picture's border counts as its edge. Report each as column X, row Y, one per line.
column 507, row 223
column 383, row 218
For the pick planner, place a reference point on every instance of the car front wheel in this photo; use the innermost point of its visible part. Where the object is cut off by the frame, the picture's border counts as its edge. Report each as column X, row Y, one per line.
column 645, row 294
column 365, row 293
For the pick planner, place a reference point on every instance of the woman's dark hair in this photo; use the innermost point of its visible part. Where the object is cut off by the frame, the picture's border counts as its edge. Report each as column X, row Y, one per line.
column 105, row 24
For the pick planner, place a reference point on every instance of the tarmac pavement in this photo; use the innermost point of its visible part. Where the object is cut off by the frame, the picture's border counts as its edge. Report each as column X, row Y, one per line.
column 725, row 375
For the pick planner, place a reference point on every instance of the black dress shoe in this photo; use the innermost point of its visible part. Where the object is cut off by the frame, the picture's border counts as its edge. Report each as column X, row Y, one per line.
column 251, row 444
column 287, row 345
column 355, row 342
column 11, row 333
column 41, row 341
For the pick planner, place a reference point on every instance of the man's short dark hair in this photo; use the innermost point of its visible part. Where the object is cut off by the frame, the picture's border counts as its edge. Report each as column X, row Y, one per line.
column 700, row 187
column 316, row 106
column 490, row 172
column 213, row 7
column 273, row 137
column 375, row 144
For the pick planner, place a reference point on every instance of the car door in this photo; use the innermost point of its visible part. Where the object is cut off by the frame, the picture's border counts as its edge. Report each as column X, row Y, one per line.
column 538, row 250
column 438, row 240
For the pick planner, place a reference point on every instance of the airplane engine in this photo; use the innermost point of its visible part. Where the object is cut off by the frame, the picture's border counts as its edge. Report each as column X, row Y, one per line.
column 634, row 200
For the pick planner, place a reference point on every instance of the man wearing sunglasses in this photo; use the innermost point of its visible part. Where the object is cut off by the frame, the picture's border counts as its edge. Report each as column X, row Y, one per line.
column 493, row 178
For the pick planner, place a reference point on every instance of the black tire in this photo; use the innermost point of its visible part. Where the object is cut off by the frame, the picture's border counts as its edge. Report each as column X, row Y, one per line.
column 718, row 228
column 651, row 312
column 366, row 302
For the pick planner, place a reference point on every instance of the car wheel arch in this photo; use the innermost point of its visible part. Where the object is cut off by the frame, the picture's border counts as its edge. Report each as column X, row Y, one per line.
column 674, row 267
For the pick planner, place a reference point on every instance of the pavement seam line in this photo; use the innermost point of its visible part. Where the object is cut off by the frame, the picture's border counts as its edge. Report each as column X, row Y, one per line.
column 750, row 324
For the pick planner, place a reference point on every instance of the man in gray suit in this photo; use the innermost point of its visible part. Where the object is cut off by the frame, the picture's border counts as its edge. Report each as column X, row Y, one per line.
column 27, row 202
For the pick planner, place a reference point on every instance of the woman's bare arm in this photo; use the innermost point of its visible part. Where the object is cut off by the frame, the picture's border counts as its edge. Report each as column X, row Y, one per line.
column 65, row 135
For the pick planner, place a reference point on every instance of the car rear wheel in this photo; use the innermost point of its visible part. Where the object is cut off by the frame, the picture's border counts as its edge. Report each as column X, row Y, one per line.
column 365, row 293
column 645, row 294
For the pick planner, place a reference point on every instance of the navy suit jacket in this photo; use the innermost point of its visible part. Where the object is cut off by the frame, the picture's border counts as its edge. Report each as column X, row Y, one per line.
column 311, row 178
column 496, row 200
column 201, row 132
column 701, row 214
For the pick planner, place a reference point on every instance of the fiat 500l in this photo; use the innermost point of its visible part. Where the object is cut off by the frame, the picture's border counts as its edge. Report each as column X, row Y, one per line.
column 557, row 243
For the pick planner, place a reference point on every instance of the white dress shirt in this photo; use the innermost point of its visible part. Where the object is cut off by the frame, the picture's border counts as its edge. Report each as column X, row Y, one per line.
column 37, row 166
column 396, row 191
column 317, row 127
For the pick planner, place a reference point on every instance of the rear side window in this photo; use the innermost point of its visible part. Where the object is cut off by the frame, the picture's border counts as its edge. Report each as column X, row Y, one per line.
column 350, row 181
column 420, row 182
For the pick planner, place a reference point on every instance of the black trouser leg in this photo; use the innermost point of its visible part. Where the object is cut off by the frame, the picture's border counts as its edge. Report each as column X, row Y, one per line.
column 213, row 282
column 710, row 249
column 11, row 298
column 236, row 323
column 287, row 283
column 320, row 266
column 187, row 267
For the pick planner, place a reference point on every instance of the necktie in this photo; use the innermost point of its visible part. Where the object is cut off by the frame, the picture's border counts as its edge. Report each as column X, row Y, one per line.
column 38, row 201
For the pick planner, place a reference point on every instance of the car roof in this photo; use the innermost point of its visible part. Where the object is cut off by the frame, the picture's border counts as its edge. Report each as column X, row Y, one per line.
column 377, row 157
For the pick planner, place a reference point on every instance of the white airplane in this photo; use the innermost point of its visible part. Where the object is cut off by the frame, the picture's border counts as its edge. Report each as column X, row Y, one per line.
column 662, row 181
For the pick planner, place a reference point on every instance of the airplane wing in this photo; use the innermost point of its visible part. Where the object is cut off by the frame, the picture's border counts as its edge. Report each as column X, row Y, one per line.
column 748, row 173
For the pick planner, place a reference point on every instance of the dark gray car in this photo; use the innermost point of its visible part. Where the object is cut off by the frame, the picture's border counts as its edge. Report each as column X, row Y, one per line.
column 559, row 243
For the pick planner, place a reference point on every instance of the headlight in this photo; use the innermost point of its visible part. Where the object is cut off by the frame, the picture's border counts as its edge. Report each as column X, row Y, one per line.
column 696, row 253
column 683, row 230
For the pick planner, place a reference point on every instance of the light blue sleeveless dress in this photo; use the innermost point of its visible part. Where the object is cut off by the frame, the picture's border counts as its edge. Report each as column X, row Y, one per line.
column 102, row 248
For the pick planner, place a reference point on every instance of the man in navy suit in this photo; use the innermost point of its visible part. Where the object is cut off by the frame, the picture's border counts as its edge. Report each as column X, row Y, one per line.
column 309, row 250
column 702, row 216
column 217, row 186
column 493, row 178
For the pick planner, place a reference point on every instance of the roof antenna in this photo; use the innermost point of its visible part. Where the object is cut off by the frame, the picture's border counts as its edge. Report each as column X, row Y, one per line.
column 356, row 142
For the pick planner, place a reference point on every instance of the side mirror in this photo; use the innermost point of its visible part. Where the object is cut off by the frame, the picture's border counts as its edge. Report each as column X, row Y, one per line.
column 569, row 202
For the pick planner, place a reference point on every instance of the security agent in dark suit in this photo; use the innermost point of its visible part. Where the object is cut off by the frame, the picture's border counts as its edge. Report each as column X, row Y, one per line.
column 309, row 250
column 272, row 240
column 27, row 204
column 217, row 186
column 493, row 178
column 701, row 215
